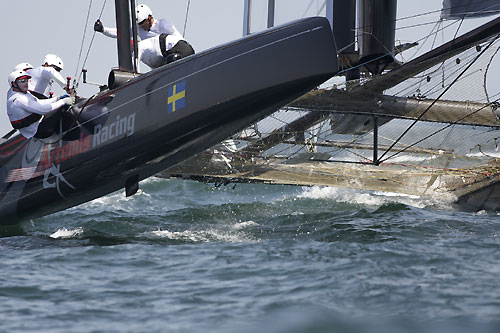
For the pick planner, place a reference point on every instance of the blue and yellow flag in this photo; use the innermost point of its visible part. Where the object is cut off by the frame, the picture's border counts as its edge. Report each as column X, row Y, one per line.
column 176, row 96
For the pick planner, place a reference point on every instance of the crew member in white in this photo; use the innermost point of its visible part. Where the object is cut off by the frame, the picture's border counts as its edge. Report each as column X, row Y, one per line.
column 44, row 76
column 157, row 51
column 25, row 110
column 173, row 45
column 148, row 26
column 25, row 66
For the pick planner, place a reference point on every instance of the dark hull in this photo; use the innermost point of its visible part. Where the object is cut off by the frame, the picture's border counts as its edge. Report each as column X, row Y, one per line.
column 486, row 198
column 164, row 117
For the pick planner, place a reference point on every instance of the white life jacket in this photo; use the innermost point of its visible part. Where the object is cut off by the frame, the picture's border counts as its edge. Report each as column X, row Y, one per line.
column 42, row 79
column 25, row 111
column 159, row 27
column 150, row 52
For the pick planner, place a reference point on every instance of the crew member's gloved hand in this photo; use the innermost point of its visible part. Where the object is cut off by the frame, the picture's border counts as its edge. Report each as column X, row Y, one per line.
column 68, row 100
column 98, row 26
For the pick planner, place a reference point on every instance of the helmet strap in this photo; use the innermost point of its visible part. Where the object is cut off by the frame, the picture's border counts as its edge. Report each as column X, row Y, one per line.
column 150, row 22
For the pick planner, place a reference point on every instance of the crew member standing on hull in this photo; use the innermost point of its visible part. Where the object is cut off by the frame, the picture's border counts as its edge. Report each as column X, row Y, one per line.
column 25, row 110
column 44, row 76
column 173, row 45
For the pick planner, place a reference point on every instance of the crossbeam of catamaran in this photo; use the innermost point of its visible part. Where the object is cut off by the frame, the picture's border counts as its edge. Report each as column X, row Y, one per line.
column 443, row 111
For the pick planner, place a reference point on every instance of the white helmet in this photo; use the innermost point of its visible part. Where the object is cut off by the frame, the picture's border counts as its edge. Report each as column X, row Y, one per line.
column 52, row 59
column 17, row 74
column 142, row 12
column 23, row 66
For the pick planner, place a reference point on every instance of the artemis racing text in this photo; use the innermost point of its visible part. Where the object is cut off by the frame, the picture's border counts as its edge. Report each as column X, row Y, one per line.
column 119, row 127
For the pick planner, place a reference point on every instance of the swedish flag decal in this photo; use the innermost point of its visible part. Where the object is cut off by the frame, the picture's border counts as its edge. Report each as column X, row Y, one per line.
column 176, row 96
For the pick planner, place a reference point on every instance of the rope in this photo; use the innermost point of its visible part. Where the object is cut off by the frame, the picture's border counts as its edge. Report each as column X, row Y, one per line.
column 75, row 121
column 90, row 47
column 83, row 40
column 485, row 74
column 76, row 82
column 440, row 130
column 307, row 9
column 431, row 105
column 186, row 19
column 442, row 28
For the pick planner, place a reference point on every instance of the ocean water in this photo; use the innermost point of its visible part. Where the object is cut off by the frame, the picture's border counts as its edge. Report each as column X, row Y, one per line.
column 183, row 256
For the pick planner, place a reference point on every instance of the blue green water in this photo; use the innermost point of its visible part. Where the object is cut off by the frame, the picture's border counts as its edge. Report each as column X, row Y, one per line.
column 188, row 257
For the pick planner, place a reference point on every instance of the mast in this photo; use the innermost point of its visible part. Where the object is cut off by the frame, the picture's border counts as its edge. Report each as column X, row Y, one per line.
column 270, row 13
column 123, row 39
column 246, row 17
column 377, row 30
column 134, row 35
column 342, row 17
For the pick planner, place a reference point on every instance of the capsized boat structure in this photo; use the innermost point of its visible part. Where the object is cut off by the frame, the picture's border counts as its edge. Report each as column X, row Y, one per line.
column 144, row 123
column 427, row 126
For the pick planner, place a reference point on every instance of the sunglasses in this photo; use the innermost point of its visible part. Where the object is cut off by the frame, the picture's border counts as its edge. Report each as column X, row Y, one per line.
column 23, row 80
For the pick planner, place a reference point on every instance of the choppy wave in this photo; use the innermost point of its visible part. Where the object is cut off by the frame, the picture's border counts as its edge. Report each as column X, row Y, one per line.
column 375, row 198
column 230, row 236
column 65, row 233
column 187, row 257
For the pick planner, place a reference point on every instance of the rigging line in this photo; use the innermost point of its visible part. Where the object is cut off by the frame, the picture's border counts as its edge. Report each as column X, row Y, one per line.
column 321, row 8
column 419, row 25
column 83, row 41
column 432, row 104
column 90, row 45
column 285, row 145
column 432, row 45
column 441, row 28
column 435, row 35
column 418, row 40
column 438, row 131
column 474, row 135
column 434, row 88
column 458, row 28
column 307, row 9
column 71, row 127
column 186, row 19
column 292, row 151
column 486, row 73
column 460, row 25
column 418, row 15
column 426, row 74
column 319, row 135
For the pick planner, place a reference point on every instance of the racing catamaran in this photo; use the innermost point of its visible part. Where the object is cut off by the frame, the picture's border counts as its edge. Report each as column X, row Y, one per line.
column 141, row 124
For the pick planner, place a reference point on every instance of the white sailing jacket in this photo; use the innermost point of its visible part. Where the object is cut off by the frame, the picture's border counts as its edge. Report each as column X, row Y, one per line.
column 160, row 26
column 149, row 51
column 42, row 79
column 22, row 105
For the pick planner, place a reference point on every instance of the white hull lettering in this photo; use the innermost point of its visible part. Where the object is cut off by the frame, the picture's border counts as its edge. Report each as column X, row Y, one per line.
column 120, row 127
